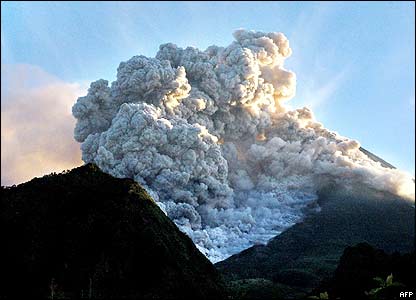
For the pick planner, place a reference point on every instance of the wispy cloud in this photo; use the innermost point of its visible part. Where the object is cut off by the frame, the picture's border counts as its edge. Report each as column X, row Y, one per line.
column 36, row 123
column 314, row 58
column 316, row 93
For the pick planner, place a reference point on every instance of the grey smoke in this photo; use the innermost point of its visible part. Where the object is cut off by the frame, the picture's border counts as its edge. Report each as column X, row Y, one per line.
column 207, row 133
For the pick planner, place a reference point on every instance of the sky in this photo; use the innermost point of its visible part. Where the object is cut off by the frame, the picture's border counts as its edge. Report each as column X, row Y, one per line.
column 354, row 61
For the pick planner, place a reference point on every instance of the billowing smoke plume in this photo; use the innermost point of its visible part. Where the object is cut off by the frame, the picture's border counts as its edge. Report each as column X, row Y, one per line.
column 208, row 135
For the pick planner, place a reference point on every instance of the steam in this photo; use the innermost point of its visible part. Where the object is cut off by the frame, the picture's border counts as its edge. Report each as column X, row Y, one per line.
column 208, row 134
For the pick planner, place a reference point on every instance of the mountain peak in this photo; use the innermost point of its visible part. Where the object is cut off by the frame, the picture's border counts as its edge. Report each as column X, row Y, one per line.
column 84, row 232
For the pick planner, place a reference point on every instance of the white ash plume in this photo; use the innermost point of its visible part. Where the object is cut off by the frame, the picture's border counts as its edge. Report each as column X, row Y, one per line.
column 208, row 134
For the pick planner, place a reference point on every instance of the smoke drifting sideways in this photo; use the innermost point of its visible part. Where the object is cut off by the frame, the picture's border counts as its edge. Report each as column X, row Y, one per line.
column 208, row 134
column 36, row 123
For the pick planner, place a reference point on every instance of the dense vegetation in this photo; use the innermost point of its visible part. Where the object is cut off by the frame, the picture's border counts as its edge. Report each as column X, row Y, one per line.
column 85, row 234
column 363, row 273
column 300, row 258
column 368, row 273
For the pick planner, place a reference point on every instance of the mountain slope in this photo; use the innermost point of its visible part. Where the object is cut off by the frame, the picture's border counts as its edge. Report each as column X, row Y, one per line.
column 377, row 159
column 309, row 252
column 358, row 267
column 86, row 234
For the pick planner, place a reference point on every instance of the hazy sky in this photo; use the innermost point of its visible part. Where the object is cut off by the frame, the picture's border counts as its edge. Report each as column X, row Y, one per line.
column 354, row 61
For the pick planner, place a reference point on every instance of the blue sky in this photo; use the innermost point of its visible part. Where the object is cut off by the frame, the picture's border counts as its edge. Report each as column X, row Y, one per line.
column 355, row 62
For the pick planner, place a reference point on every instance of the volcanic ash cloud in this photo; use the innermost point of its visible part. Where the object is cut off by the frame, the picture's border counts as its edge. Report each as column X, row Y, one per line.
column 208, row 135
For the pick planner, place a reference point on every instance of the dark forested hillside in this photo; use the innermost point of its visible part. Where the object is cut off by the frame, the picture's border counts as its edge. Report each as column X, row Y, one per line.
column 368, row 273
column 85, row 234
column 309, row 252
